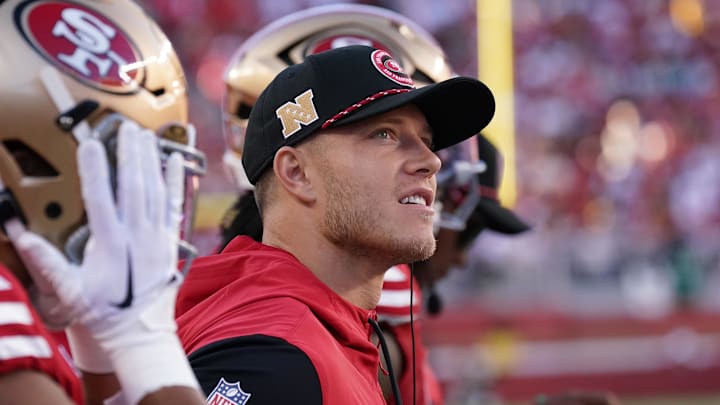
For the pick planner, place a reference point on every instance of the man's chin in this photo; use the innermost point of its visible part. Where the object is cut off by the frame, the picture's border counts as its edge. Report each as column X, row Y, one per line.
column 418, row 250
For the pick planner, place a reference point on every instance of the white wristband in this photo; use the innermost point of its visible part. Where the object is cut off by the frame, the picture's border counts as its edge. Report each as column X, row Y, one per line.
column 146, row 368
column 145, row 350
column 86, row 352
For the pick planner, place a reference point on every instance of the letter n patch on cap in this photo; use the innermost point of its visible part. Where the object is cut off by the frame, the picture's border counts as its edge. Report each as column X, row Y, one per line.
column 226, row 393
column 302, row 111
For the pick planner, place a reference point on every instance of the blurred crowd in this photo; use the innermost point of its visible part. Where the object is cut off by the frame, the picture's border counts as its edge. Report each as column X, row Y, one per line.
column 616, row 111
column 616, row 137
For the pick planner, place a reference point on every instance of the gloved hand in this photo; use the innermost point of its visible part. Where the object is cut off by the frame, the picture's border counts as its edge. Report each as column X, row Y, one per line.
column 54, row 314
column 121, row 298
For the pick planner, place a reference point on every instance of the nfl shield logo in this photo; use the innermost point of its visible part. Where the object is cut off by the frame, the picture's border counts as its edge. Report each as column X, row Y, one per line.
column 228, row 394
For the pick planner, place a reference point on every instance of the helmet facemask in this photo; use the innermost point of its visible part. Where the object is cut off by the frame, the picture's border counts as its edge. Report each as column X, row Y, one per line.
column 458, row 185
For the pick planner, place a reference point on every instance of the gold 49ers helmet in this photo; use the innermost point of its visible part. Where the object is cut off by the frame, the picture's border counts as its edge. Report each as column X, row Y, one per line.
column 72, row 69
column 289, row 40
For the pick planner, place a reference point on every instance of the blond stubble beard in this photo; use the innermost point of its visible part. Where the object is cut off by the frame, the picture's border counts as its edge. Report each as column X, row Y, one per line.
column 361, row 229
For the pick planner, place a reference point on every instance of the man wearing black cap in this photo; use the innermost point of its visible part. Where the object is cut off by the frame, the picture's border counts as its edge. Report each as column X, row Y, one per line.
column 341, row 150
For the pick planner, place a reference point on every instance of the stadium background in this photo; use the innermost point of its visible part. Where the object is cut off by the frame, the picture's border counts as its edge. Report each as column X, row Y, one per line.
column 616, row 157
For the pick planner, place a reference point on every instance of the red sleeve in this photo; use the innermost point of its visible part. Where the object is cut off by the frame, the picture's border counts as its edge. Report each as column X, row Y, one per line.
column 395, row 299
column 25, row 343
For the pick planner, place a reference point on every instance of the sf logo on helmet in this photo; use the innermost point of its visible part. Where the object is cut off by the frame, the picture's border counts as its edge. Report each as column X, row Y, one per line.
column 81, row 42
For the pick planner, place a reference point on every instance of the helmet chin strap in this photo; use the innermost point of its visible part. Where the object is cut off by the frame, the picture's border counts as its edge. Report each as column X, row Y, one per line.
column 64, row 101
column 9, row 208
column 71, row 118
column 76, row 115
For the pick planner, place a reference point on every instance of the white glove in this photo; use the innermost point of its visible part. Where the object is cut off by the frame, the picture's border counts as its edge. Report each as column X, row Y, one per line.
column 55, row 314
column 122, row 296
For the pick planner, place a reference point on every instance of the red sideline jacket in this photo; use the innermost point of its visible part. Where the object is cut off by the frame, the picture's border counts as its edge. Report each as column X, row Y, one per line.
column 393, row 311
column 258, row 325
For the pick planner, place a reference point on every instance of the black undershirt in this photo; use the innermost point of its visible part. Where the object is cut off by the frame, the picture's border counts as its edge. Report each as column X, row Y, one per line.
column 270, row 369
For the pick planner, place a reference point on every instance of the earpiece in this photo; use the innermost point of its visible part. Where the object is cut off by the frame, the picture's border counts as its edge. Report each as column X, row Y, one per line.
column 434, row 302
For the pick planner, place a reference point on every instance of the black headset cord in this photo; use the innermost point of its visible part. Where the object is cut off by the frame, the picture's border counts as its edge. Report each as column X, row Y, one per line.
column 383, row 346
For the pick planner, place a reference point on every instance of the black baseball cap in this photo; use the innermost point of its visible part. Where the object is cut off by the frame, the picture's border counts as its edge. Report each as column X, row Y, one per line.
column 349, row 84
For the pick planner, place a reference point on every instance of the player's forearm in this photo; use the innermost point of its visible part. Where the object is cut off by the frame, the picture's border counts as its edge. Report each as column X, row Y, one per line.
column 99, row 387
column 31, row 387
column 174, row 395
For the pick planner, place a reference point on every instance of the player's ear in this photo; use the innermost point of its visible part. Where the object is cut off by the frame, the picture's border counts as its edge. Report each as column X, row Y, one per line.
column 290, row 166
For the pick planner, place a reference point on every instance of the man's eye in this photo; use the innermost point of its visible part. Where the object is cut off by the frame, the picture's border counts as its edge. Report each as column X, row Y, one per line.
column 383, row 133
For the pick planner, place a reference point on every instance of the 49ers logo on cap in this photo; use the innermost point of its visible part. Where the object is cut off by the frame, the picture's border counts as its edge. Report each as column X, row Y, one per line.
column 389, row 68
column 82, row 43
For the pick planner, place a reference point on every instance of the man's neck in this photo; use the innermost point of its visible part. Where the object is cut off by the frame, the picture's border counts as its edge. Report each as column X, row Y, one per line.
column 358, row 280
